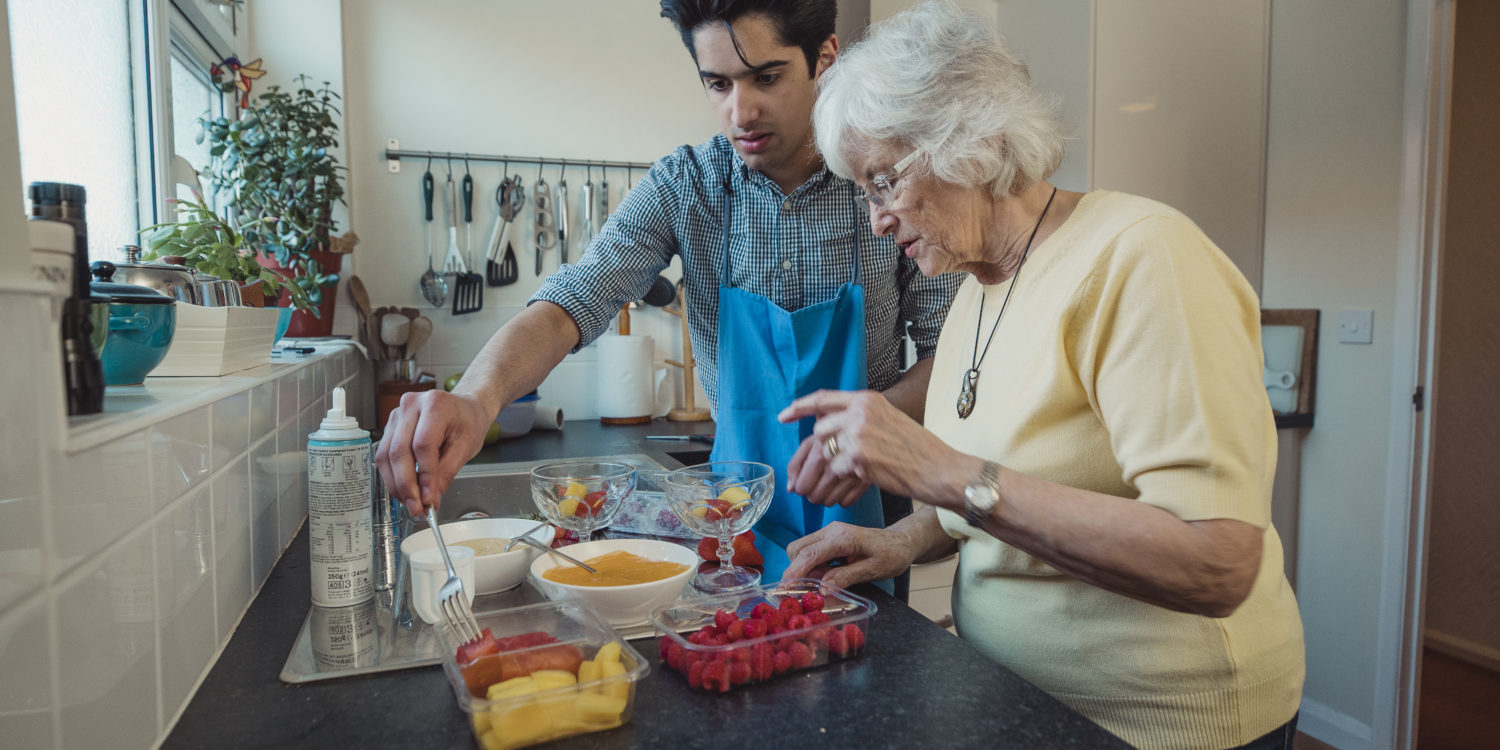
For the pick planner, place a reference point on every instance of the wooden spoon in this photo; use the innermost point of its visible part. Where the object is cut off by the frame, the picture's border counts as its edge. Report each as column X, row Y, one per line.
column 360, row 296
column 372, row 332
column 420, row 330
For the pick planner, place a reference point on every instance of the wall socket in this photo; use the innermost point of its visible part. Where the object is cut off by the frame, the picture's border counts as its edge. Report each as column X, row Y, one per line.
column 1356, row 326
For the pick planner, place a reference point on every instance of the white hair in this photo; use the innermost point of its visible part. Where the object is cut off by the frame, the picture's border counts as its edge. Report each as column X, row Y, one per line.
column 939, row 79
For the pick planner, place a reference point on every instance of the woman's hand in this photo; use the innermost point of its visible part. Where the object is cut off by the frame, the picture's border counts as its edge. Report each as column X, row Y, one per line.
column 867, row 554
column 428, row 438
column 859, row 435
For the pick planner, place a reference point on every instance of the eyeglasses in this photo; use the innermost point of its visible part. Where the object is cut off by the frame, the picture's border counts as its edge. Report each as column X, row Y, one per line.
column 884, row 185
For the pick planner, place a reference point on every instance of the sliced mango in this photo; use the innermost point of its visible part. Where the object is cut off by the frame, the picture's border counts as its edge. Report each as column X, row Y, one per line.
column 523, row 727
column 511, row 688
column 595, row 709
column 547, row 679
column 619, row 688
column 576, row 489
column 735, row 495
column 608, row 652
column 567, row 507
column 481, row 722
column 588, row 672
column 491, row 741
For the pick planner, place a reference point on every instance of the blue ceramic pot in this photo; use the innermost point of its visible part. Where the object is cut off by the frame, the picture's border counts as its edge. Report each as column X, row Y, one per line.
column 141, row 322
column 139, row 336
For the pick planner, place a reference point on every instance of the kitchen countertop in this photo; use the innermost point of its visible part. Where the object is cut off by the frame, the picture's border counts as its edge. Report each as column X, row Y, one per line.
column 916, row 685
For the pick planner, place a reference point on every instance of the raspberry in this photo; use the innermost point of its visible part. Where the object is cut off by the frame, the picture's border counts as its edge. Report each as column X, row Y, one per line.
column 797, row 622
column 762, row 661
column 756, row 628
column 691, row 658
column 812, row 601
column 739, row 672
column 722, row 620
column 695, row 674
column 715, row 640
column 838, row 644
column 791, row 606
column 855, row 636
column 716, row 676
column 740, row 654
column 817, row 618
column 802, row 656
column 781, row 662
column 778, row 619
column 705, row 632
column 818, row 639
column 674, row 656
column 762, row 611
column 736, row 631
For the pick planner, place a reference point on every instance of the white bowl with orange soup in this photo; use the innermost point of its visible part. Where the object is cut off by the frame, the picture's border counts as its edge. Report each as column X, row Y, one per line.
column 616, row 599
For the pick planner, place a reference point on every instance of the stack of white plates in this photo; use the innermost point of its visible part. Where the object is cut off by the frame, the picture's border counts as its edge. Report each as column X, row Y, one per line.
column 212, row 341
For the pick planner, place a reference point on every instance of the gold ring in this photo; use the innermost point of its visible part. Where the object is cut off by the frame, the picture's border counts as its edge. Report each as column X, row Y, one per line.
column 831, row 446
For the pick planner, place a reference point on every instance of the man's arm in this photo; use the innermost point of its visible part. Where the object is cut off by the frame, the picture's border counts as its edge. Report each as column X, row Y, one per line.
column 909, row 394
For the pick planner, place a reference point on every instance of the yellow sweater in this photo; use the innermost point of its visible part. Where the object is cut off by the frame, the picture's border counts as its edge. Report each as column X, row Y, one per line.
column 1128, row 363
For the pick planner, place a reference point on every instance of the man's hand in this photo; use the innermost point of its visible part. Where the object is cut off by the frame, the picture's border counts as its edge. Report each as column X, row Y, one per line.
column 428, row 438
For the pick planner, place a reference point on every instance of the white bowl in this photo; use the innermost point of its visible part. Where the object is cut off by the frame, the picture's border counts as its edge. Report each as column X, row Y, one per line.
column 492, row 573
column 620, row 605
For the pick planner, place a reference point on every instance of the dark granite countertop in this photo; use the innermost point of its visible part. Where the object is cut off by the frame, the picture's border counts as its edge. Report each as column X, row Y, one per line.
column 915, row 686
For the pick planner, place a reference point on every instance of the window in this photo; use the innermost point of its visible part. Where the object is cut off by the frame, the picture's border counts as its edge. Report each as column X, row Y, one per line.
column 108, row 95
column 75, row 111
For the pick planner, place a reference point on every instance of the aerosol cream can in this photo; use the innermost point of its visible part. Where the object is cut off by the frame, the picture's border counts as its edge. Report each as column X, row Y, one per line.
column 338, row 509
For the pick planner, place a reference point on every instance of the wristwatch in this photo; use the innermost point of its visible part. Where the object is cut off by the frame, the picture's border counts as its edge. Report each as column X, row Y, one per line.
column 983, row 494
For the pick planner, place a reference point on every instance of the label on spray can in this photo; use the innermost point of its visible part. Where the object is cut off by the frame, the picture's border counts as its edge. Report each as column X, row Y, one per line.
column 339, row 523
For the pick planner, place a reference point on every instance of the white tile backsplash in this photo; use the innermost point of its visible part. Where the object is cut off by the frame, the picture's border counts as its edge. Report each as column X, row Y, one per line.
column 107, row 665
column 181, row 455
column 185, row 596
column 128, row 545
column 96, row 496
column 26, row 691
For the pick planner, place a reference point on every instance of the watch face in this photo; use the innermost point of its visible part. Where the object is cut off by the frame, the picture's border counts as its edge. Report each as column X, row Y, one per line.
column 981, row 496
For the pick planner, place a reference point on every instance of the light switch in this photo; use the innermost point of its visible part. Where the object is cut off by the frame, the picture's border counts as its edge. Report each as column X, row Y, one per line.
column 1356, row 326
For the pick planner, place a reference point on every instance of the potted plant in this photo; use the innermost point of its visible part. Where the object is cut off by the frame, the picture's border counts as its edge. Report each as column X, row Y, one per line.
column 206, row 242
column 275, row 162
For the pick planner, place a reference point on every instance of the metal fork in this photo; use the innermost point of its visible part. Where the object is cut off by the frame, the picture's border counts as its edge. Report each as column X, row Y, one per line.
column 451, row 599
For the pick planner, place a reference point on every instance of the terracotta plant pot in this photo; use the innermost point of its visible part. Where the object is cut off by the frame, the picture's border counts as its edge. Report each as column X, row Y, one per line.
column 304, row 324
column 252, row 295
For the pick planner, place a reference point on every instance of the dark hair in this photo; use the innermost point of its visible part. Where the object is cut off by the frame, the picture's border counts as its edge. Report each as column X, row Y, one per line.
column 799, row 23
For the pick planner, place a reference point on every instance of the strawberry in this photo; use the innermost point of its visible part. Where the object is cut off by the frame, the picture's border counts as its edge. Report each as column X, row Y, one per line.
column 781, row 661
column 739, row 672
column 695, row 674
column 744, row 552
column 802, row 656
column 791, row 606
column 595, row 500
column 722, row 620
column 756, row 628
column 762, row 611
column 812, row 601
column 736, row 631
column 838, row 644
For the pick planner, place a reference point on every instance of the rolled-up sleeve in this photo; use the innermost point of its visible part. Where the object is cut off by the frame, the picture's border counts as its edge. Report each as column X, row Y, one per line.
column 924, row 304
column 635, row 245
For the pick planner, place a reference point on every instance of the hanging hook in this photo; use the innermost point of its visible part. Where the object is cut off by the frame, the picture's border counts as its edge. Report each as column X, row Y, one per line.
column 429, row 161
column 539, row 163
column 562, row 174
column 450, row 165
column 466, row 163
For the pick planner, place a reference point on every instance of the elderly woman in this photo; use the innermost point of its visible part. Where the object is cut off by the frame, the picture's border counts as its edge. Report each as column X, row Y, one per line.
column 1098, row 443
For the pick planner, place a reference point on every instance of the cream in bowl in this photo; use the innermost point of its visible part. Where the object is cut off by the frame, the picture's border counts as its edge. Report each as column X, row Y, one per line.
column 495, row 569
column 619, row 601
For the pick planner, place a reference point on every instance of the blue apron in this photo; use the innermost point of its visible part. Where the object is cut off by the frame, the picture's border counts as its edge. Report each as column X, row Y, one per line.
column 769, row 357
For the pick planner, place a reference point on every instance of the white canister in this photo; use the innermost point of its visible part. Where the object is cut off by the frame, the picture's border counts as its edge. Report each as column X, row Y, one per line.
column 339, row 520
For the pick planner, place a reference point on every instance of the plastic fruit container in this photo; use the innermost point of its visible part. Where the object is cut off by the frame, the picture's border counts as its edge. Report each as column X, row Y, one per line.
column 723, row 643
column 520, row 713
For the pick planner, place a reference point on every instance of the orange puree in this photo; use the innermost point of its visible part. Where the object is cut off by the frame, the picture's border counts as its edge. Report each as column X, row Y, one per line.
column 618, row 568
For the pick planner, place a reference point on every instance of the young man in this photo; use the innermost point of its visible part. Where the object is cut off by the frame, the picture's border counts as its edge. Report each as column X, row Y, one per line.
column 787, row 289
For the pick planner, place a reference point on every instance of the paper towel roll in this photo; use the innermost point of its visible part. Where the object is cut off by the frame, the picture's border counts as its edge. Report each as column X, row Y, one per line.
column 547, row 418
column 626, row 387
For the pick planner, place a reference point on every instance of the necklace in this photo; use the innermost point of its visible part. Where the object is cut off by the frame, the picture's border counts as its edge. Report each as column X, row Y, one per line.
column 967, row 393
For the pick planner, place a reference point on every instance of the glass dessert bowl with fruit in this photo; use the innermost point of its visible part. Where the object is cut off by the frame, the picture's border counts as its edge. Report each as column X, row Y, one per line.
column 721, row 499
column 581, row 496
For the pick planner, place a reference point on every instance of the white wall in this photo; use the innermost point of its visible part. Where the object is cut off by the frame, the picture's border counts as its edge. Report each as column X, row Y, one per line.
column 588, row 79
column 1332, row 198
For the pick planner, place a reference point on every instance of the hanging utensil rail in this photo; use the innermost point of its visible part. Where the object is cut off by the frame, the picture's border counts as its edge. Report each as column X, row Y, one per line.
column 395, row 155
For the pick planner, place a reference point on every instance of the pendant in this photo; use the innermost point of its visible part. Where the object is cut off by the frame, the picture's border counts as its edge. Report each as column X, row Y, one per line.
column 966, row 394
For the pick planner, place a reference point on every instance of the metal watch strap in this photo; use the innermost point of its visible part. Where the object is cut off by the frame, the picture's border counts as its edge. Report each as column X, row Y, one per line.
column 989, row 476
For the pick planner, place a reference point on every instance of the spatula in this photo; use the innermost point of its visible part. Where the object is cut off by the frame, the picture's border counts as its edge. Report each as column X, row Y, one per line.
column 468, row 287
